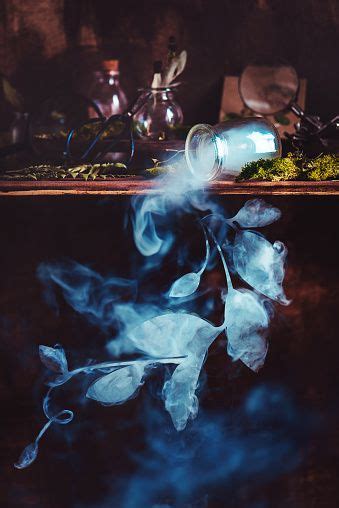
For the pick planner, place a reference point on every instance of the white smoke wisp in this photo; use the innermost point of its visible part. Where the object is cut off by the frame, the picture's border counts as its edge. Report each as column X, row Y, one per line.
column 176, row 191
column 171, row 330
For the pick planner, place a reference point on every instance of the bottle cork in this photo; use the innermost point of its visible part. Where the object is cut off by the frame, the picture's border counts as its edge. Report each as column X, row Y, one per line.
column 111, row 65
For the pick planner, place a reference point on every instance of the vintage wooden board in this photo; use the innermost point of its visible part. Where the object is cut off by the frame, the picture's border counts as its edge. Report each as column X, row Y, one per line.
column 139, row 185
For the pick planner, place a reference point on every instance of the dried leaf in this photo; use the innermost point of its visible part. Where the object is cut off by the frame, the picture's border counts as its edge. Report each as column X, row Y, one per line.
column 176, row 67
column 12, row 95
column 94, row 172
column 181, row 63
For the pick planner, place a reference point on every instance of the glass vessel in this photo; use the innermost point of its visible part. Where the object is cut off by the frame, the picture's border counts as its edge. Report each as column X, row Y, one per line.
column 106, row 91
column 222, row 150
column 19, row 128
column 158, row 117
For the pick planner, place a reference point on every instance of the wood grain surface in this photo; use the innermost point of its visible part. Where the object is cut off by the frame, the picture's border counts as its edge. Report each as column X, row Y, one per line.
column 138, row 185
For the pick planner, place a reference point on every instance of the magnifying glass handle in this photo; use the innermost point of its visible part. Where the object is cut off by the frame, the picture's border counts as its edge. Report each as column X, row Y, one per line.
column 334, row 121
column 297, row 110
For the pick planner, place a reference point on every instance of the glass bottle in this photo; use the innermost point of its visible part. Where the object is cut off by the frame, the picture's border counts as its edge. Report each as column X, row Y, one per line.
column 106, row 91
column 19, row 127
column 158, row 117
column 222, row 150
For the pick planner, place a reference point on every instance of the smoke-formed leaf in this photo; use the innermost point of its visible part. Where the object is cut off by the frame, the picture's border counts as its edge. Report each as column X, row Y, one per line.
column 179, row 391
column 28, row 456
column 252, row 351
column 260, row 264
column 31, row 451
column 189, row 283
column 246, row 323
column 256, row 213
column 169, row 334
column 54, row 358
column 118, row 386
column 185, row 285
column 175, row 335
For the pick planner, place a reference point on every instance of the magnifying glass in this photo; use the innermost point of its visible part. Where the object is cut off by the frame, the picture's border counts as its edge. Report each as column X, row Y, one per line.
column 269, row 90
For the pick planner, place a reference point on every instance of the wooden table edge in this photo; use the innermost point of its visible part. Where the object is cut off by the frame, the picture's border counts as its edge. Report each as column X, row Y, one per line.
column 139, row 186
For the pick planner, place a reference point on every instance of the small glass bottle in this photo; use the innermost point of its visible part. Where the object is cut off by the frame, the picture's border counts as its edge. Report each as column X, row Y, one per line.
column 158, row 117
column 222, row 150
column 106, row 91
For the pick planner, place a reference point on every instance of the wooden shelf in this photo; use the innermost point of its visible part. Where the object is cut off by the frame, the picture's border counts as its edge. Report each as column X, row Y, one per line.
column 138, row 185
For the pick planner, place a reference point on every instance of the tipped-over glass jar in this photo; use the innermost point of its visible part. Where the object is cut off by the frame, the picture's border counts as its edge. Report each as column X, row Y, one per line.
column 222, row 150
column 158, row 117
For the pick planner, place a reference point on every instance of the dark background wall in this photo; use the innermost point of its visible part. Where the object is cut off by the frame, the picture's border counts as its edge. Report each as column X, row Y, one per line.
column 41, row 40
column 79, row 465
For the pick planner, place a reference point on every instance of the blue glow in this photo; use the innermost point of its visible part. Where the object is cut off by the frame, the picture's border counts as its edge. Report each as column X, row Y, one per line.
column 264, row 142
column 151, row 328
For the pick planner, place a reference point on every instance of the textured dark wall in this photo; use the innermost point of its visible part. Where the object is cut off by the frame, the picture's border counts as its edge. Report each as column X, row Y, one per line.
column 78, row 466
column 40, row 43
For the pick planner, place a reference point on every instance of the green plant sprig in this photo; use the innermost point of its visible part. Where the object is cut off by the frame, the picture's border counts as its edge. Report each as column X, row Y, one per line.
column 51, row 172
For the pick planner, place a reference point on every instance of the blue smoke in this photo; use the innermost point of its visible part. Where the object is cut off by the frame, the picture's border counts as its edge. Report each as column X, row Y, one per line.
column 213, row 453
column 86, row 291
column 218, row 454
column 152, row 215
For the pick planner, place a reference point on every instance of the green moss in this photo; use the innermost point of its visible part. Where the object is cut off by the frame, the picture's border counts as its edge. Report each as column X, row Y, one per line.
column 325, row 167
column 292, row 167
column 157, row 170
column 286, row 168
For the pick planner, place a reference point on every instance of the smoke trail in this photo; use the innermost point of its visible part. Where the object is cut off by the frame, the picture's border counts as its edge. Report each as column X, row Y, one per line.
column 152, row 214
column 220, row 453
column 85, row 290
column 159, row 332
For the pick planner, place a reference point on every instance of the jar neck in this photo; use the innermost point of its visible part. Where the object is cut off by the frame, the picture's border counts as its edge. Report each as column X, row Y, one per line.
column 110, row 77
column 164, row 95
column 205, row 152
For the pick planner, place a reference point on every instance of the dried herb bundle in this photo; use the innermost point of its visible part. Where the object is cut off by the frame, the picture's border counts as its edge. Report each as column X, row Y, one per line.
column 51, row 172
